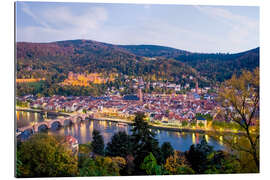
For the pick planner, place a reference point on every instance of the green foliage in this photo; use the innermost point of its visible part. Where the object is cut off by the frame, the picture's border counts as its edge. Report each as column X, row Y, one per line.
column 226, row 125
column 45, row 156
column 221, row 162
column 19, row 165
column 197, row 156
column 21, row 103
column 119, row 145
column 184, row 170
column 193, row 124
column 30, row 88
column 100, row 166
column 166, row 151
column 150, row 165
column 143, row 142
column 201, row 124
column 84, row 152
column 97, row 143
column 184, row 123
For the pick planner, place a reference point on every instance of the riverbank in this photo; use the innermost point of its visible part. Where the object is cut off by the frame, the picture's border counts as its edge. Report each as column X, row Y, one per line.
column 175, row 129
column 41, row 111
column 154, row 126
column 191, row 130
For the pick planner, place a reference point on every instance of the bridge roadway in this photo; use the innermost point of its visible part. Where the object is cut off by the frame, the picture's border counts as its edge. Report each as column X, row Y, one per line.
column 73, row 118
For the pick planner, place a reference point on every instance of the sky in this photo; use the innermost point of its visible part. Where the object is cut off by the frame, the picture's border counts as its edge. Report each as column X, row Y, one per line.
column 208, row 29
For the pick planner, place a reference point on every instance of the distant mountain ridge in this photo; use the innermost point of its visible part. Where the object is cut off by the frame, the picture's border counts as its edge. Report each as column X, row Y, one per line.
column 154, row 50
column 88, row 55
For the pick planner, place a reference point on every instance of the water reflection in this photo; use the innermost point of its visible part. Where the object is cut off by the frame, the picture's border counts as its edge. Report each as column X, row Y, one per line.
column 206, row 138
column 26, row 118
column 83, row 132
column 221, row 140
column 193, row 138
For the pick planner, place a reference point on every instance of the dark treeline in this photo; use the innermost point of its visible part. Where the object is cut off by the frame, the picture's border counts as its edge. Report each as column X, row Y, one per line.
column 220, row 67
column 135, row 154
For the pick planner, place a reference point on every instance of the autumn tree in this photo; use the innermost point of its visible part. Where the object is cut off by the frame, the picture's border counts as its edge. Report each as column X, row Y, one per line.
column 99, row 166
column 239, row 100
column 45, row 156
column 177, row 164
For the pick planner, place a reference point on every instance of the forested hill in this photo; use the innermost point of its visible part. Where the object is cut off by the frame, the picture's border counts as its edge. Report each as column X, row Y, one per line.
column 215, row 66
column 154, row 51
column 221, row 66
column 37, row 59
column 56, row 59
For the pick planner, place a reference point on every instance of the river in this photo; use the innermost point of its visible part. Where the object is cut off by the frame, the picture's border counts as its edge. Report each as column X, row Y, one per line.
column 83, row 131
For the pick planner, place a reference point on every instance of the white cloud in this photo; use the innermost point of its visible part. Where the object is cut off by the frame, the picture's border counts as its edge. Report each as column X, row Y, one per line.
column 64, row 24
column 227, row 17
column 64, row 16
column 27, row 11
column 241, row 30
column 61, row 23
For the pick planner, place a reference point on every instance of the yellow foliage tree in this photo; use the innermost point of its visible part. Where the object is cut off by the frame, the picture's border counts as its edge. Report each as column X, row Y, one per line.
column 173, row 163
column 239, row 98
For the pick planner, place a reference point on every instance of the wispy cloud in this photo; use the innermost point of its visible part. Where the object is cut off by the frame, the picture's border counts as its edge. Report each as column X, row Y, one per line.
column 27, row 10
column 101, row 23
column 241, row 29
column 61, row 22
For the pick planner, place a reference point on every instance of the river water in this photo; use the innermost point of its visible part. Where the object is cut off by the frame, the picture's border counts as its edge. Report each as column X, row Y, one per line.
column 83, row 131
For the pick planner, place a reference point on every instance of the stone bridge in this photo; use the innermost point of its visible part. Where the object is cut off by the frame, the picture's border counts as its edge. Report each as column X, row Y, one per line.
column 62, row 121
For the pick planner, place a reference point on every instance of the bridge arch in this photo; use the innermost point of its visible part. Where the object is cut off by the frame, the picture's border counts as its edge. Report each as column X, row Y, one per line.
column 52, row 123
column 42, row 126
column 28, row 131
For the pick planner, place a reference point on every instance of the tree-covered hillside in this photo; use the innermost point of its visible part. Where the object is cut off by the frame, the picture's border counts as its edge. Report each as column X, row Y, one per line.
column 55, row 60
column 215, row 66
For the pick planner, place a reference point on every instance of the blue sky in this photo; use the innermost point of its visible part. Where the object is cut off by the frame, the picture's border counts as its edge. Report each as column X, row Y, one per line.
column 193, row 28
